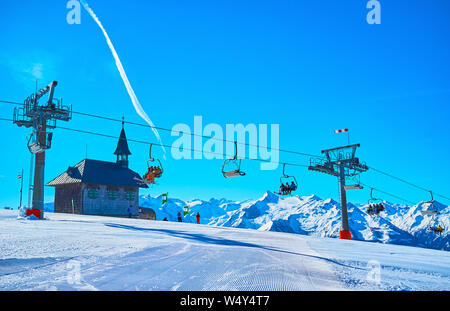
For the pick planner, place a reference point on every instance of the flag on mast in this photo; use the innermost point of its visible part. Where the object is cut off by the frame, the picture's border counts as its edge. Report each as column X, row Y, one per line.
column 341, row 131
column 164, row 198
column 19, row 176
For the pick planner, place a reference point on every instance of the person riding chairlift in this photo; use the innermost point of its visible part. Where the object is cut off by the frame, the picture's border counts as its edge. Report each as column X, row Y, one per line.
column 380, row 208
column 285, row 189
column 152, row 173
column 293, row 186
column 149, row 177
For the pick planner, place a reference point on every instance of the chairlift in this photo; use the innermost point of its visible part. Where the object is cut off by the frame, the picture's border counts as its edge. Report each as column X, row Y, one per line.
column 376, row 206
column 436, row 227
column 153, row 171
column 286, row 183
column 356, row 185
column 232, row 167
column 432, row 210
column 35, row 146
column 432, row 198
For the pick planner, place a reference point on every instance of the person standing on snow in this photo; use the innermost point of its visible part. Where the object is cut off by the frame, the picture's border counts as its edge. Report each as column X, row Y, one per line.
column 130, row 211
column 179, row 217
column 198, row 218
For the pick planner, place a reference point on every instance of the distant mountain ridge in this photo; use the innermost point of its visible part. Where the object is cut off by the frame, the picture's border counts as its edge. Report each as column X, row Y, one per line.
column 310, row 215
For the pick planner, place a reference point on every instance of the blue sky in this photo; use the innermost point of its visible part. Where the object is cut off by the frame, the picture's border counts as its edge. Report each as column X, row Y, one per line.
column 309, row 66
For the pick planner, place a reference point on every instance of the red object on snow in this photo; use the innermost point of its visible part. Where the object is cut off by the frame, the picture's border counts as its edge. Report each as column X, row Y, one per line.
column 34, row 212
column 198, row 218
column 345, row 235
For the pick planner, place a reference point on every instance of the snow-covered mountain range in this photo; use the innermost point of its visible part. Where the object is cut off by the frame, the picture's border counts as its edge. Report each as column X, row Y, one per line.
column 310, row 215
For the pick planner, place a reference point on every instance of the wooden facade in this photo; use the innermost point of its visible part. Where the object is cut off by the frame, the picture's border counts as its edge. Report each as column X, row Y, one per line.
column 96, row 199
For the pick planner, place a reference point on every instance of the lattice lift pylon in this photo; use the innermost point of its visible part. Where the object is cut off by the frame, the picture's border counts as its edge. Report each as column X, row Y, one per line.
column 41, row 118
column 341, row 162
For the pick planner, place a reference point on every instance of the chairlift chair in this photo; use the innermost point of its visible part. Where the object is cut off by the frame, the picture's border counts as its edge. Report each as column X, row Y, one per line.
column 355, row 186
column 286, row 179
column 232, row 167
column 374, row 203
column 432, row 210
column 35, row 146
column 436, row 227
column 153, row 171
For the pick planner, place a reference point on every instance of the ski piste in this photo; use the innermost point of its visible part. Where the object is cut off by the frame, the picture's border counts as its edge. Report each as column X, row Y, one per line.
column 82, row 252
column 225, row 100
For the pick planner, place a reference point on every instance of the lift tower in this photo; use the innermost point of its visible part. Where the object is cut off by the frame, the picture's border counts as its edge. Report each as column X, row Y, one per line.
column 342, row 163
column 41, row 118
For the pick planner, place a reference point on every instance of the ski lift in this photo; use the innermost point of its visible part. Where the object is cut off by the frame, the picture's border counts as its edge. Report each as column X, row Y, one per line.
column 376, row 206
column 432, row 198
column 232, row 167
column 436, row 227
column 153, row 171
column 287, row 180
column 35, row 146
column 432, row 210
column 356, row 184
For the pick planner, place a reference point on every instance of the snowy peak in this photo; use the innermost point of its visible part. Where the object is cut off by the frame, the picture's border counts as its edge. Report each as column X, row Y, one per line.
column 269, row 197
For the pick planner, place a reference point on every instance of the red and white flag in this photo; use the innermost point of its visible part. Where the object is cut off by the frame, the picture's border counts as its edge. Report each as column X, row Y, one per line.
column 19, row 176
column 341, row 131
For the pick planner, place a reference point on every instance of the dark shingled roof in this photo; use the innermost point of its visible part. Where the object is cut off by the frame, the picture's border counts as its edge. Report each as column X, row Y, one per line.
column 99, row 173
column 122, row 144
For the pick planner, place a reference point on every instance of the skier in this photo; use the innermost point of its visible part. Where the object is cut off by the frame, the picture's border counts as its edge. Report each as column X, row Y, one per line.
column 198, row 218
column 293, row 186
column 130, row 211
column 179, row 217
column 288, row 189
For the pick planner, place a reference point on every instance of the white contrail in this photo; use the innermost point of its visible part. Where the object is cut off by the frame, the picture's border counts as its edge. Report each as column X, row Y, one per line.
column 136, row 104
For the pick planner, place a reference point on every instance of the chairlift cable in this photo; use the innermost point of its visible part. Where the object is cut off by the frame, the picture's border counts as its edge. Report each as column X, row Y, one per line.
column 387, row 193
column 224, row 140
column 407, row 182
column 179, row 132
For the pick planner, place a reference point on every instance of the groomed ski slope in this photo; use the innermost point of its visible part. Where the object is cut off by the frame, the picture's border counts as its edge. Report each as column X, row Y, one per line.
column 77, row 252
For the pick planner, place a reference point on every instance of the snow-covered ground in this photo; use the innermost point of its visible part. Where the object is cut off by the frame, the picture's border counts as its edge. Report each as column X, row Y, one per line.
column 78, row 252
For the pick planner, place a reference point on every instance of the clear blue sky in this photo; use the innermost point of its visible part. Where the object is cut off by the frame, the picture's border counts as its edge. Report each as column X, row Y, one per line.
column 309, row 66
